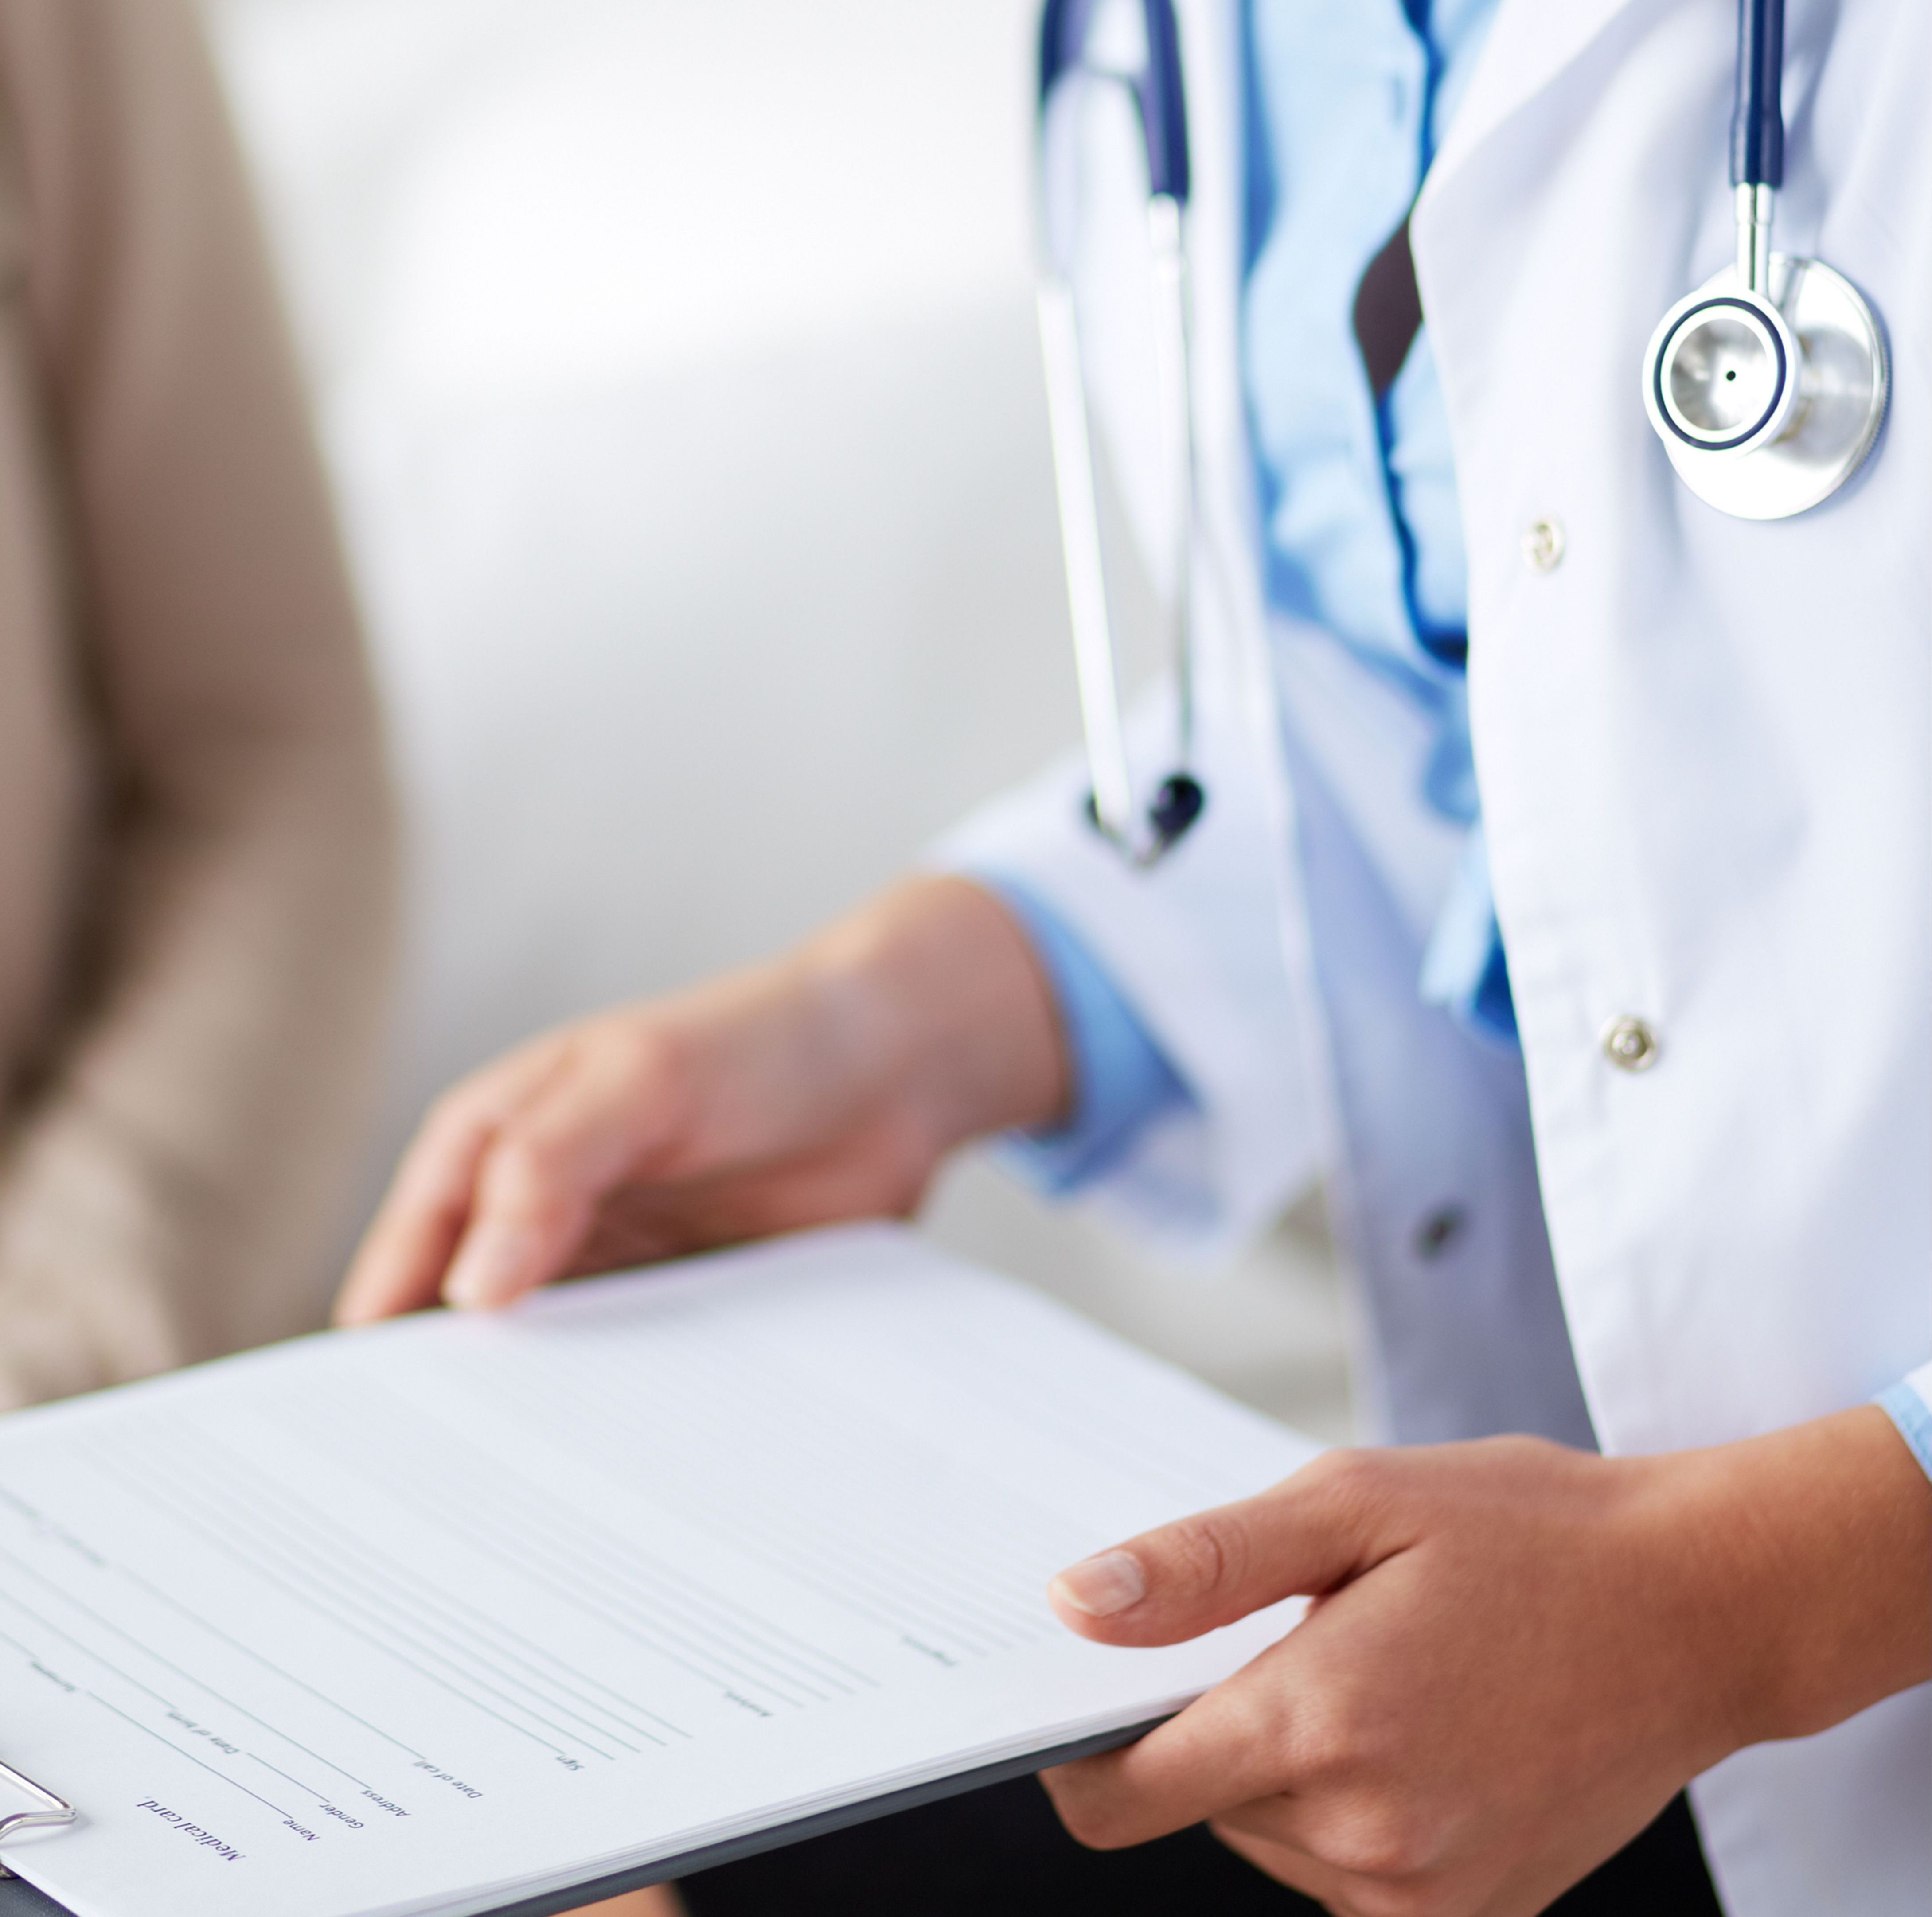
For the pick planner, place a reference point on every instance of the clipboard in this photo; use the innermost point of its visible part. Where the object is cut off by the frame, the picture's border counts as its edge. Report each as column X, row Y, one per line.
column 50, row 1810
column 18, row 1898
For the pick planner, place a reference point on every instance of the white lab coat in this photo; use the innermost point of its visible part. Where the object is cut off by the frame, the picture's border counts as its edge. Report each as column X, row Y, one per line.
column 1702, row 748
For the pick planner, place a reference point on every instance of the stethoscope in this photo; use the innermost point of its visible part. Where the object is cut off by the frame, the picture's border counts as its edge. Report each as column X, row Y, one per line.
column 1768, row 386
column 1152, row 84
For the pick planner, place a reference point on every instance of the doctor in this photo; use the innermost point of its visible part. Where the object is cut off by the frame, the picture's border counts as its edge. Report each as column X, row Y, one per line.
column 1560, row 898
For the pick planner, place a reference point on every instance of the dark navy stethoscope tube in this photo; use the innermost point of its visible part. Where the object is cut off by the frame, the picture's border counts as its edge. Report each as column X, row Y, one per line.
column 1063, row 28
column 1757, row 119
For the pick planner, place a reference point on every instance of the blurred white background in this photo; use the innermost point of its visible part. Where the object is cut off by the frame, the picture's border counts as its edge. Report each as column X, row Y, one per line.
column 676, row 364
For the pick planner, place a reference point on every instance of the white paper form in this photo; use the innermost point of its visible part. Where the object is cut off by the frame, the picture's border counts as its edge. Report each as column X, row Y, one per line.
column 414, row 1619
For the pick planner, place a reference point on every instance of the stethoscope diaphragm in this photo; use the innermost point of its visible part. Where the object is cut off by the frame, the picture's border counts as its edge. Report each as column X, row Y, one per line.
column 1768, row 386
column 1767, row 402
column 1724, row 372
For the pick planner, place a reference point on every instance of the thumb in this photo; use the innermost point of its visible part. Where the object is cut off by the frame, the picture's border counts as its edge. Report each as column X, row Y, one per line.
column 1328, row 1523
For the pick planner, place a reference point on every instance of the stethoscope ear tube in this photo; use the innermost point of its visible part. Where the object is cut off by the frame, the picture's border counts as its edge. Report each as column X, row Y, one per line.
column 1154, row 82
column 1064, row 26
column 1112, row 798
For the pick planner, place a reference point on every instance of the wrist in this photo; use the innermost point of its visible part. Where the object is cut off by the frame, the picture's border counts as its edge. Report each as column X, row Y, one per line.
column 931, row 998
column 1796, row 1567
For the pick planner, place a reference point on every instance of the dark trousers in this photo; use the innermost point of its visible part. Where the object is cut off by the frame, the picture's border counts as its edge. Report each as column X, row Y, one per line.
column 1001, row 1853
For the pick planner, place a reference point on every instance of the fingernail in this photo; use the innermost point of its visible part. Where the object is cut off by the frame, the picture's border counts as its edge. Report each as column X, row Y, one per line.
column 487, row 1269
column 1100, row 1586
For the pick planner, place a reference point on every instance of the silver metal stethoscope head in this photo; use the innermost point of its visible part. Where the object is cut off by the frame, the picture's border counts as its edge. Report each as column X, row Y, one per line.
column 1143, row 832
column 1769, row 384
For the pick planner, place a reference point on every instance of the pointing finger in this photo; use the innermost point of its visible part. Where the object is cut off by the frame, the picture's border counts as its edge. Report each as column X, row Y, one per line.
column 400, row 1263
column 1327, row 1523
column 540, row 1182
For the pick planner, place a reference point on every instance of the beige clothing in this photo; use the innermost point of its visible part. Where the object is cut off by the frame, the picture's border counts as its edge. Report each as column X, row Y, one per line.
column 196, row 870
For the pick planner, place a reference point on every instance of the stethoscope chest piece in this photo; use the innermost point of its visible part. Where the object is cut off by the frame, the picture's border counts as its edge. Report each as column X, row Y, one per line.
column 1768, row 402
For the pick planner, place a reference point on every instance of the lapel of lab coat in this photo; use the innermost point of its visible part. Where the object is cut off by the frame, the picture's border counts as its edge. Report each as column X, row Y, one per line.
column 1531, row 42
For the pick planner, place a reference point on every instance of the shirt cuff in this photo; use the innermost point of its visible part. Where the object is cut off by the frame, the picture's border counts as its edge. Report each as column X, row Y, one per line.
column 1909, row 1405
column 1122, row 1080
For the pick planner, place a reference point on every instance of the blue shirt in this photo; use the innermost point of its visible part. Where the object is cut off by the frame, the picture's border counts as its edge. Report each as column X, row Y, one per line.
column 1361, row 525
column 1362, row 528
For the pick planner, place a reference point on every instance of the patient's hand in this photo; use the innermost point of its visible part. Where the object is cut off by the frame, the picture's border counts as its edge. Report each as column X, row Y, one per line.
column 827, row 1085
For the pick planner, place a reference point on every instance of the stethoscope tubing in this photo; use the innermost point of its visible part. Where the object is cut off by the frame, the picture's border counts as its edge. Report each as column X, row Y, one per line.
column 1156, row 84
column 1064, row 26
column 1757, row 116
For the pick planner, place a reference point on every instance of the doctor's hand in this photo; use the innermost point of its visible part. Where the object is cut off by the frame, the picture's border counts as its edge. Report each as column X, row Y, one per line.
column 1516, row 1654
column 827, row 1085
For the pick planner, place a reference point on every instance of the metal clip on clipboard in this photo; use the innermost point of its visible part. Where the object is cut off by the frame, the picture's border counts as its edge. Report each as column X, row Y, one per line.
column 53, row 1811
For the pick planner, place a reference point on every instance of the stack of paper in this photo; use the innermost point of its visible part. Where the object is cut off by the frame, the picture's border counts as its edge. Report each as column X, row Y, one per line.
column 457, row 1611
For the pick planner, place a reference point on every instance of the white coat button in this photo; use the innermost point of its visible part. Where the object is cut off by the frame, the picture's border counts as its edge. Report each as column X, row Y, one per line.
column 1441, row 1229
column 1630, row 1044
column 1543, row 545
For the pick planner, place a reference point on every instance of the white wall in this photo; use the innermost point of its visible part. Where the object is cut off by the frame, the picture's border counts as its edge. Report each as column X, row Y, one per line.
column 676, row 363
